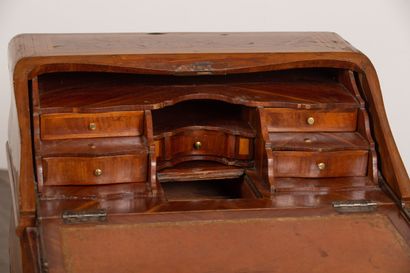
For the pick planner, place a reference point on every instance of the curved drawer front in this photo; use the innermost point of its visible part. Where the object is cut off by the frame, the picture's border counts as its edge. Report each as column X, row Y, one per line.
column 74, row 125
column 294, row 120
column 204, row 143
column 320, row 164
column 95, row 170
column 201, row 143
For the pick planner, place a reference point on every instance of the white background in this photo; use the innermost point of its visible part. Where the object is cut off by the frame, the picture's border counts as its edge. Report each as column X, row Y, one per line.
column 379, row 28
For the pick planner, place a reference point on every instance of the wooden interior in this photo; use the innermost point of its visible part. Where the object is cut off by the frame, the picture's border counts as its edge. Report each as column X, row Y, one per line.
column 312, row 105
column 238, row 152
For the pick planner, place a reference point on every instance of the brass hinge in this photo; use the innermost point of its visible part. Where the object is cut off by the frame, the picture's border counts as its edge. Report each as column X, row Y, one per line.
column 406, row 212
column 354, row 206
column 84, row 216
column 44, row 267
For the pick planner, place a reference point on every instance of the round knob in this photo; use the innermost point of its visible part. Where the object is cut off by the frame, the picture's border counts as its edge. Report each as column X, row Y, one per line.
column 307, row 140
column 197, row 145
column 92, row 126
column 97, row 172
column 310, row 120
column 92, row 146
column 321, row 166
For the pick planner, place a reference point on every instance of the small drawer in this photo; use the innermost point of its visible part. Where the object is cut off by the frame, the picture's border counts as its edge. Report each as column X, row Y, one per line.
column 94, row 170
column 201, row 142
column 320, row 164
column 294, row 120
column 75, row 125
column 204, row 144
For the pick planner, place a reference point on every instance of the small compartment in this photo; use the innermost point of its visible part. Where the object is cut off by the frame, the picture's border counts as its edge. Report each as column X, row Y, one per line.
column 202, row 114
column 235, row 188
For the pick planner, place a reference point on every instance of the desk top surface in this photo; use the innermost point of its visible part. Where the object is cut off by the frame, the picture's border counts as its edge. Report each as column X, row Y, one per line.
column 32, row 45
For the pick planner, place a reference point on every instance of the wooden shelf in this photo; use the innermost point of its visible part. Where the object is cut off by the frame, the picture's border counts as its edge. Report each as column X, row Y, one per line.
column 201, row 114
column 199, row 170
column 92, row 92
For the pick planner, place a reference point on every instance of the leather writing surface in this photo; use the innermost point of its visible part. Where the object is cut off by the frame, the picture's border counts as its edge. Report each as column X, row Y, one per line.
column 246, row 245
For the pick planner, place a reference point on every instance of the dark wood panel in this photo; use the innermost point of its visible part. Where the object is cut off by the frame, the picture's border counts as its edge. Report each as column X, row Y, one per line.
column 94, row 170
column 318, row 141
column 76, row 125
column 320, row 164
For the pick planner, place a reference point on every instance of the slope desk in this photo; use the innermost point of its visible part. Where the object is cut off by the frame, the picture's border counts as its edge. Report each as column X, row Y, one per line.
column 202, row 152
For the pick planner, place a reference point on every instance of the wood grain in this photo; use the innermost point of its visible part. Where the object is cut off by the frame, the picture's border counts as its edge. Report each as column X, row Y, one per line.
column 289, row 120
column 93, row 146
column 66, row 92
column 305, row 164
column 258, row 88
column 111, row 124
column 318, row 141
column 199, row 170
column 212, row 143
column 81, row 170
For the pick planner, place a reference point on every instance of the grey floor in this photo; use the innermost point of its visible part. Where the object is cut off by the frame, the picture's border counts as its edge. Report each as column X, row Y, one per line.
column 5, row 205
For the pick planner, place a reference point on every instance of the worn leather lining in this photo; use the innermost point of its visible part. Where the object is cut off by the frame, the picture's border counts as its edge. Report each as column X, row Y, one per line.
column 335, row 244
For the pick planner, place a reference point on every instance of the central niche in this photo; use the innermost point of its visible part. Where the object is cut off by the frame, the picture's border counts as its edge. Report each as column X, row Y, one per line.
column 203, row 130
column 203, row 148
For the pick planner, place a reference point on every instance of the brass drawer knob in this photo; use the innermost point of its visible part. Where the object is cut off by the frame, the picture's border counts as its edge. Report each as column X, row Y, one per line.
column 321, row 166
column 97, row 172
column 310, row 120
column 92, row 126
column 307, row 140
column 92, row 146
column 197, row 145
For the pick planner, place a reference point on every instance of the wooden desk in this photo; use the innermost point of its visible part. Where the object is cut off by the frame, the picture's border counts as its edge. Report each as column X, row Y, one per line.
column 202, row 152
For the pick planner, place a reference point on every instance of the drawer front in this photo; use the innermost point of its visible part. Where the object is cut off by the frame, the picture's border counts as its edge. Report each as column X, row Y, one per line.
column 320, row 164
column 201, row 143
column 95, row 170
column 204, row 143
column 111, row 124
column 293, row 120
